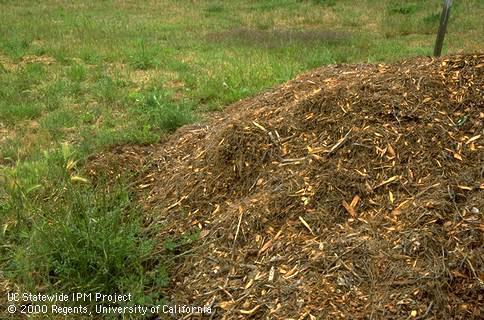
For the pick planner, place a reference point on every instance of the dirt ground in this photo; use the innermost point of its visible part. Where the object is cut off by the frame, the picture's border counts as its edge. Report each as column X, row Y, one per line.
column 350, row 192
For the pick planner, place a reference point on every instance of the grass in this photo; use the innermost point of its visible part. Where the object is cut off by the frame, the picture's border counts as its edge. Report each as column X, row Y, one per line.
column 61, row 234
column 89, row 75
column 152, row 109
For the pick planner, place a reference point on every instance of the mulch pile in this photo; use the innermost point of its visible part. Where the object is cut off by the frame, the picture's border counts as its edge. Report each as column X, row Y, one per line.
column 351, row 192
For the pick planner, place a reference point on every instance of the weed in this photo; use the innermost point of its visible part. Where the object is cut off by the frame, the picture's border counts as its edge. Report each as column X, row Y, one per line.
column 156, row 111
column 39, row 50
column 328, row 3
column 25, row 111
column 432, row 20
column 89, row 116
column 144, row 57
column 175, row 246
column 106, row 88
column 15, row 46
column 274, row 5
column 81, row 238
column 35, row 72
column 404, row 8
column 57, row 120
column 90, row 55
column 215, row 8
column 77, row 73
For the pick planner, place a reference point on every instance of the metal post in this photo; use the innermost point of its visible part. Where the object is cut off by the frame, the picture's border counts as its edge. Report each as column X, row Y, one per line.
column 444, row 18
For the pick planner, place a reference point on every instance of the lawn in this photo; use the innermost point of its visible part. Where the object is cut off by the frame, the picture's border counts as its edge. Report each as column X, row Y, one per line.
column 78, row 77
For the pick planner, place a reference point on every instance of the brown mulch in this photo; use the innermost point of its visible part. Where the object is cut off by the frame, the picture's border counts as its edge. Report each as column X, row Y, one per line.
column 351, row 192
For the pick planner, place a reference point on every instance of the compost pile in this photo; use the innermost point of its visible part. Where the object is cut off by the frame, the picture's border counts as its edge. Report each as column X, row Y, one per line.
column 350, row 192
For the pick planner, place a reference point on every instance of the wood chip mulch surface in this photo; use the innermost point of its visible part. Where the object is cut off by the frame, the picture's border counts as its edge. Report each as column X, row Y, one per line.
column 350, row 192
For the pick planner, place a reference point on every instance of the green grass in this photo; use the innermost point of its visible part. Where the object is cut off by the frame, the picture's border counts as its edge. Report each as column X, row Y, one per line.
column 153, row 109
column 79, row 77
column 61, row 234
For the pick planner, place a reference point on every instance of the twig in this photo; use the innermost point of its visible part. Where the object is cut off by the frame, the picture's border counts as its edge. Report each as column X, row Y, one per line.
column 342, row 255
column 340, row 142
column 426, row 311
column 452, row 197
column 237, row 231
column 255, row 182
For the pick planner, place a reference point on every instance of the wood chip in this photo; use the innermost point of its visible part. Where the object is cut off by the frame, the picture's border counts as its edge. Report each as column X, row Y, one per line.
column 306, row 224
column 390, row 180
column 350, row 209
